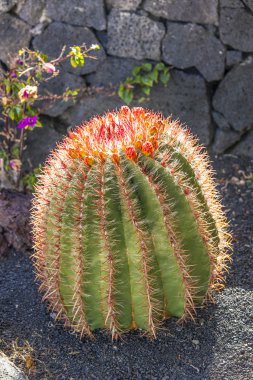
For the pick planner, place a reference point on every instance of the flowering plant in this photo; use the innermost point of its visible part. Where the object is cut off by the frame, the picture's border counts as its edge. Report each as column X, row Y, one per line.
column 19, row 103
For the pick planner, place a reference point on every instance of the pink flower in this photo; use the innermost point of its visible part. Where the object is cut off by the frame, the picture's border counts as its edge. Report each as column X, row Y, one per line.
column 28, row 92
column 48, row 68
column 28, row 121
column 15, row 165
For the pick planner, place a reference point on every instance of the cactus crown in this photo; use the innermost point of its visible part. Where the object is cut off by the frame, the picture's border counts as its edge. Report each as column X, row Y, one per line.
column 127, row 224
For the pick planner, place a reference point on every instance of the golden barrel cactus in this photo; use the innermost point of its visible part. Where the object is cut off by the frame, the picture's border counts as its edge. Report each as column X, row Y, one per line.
column 128, row 226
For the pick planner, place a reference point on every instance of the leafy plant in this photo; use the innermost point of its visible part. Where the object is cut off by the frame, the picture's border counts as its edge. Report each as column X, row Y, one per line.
column 19, row 98
column 29, row 180
column 127, row 224
column 144, row 78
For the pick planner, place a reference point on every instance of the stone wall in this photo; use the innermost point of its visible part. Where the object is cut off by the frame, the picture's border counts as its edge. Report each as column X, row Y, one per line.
column 208, row 44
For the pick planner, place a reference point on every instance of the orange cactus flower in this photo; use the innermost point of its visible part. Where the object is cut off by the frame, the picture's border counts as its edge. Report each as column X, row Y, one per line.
column 147, row 148
column 131, row 152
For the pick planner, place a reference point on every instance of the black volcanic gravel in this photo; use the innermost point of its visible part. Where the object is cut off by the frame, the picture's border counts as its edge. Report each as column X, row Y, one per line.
column 219, row 346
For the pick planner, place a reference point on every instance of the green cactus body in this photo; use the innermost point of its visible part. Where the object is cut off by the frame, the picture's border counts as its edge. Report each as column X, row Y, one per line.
column 127, row 224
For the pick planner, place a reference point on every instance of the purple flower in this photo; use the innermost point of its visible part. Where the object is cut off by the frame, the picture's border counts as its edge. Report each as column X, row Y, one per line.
column 19, row 62
column 28, row 121
column 13, row 74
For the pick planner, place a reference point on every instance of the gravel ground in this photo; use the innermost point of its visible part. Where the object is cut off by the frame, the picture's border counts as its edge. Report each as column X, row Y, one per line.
column 219, row 346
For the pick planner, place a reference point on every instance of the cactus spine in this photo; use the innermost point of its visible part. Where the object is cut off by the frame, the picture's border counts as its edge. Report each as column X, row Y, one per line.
column 127, row 224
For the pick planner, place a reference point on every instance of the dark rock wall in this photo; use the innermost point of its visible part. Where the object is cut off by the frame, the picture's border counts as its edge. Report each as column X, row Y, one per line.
column 209, row 44
column 15, row 230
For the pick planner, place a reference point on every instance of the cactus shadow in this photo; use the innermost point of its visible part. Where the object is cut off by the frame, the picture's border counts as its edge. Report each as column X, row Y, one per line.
column 181, row 351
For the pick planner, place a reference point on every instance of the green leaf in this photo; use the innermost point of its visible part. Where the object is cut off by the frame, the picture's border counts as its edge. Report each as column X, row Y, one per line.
column 44, row 57
column 73, row 62
column 77, row 59
column 146, row 66
column 128, row 96
column 130, row 80
column 136, row 70
column 81, row 60
column 38, row 75
column 146, row 90
column 19, row 112
column 136, row 80
column 69, row 92
column 146, row 81
column 17, row 86
column 7, row 84
column 154, row 75
column 160, row 66
column 38, row 124
column 75, row 50
column 29, row 180
column 142, row 99
column 15, row 152
column 121, row 91
column 15, row 113
column 30, row 111
column 125, row 94
column 29, row 128
column 29, row 80
column 165, row 77
column 3, row 154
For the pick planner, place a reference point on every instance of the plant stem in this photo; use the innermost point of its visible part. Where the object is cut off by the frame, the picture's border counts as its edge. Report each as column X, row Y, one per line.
column 21, row 147
column 8, row 136
column 6, row 120
column 22, row 136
